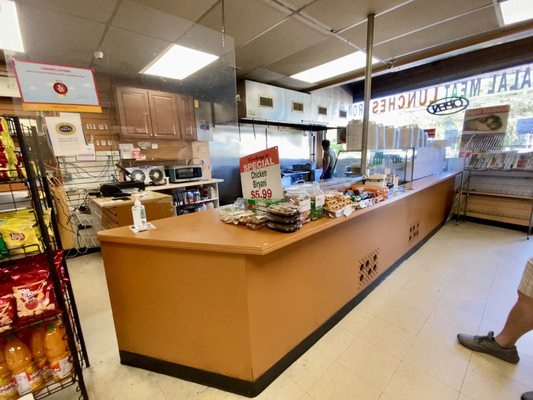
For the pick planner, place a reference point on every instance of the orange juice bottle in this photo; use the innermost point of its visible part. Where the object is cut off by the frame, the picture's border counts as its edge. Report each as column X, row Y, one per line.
column 57, row 353
column 39, row 354
column 18, row 358
column 8, row 389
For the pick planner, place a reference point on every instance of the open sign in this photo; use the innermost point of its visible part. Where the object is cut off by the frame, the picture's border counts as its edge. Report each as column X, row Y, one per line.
column 65, row 129
column 448, row 105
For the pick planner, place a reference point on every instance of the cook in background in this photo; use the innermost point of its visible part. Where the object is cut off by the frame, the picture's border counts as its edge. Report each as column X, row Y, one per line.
column 328, row 160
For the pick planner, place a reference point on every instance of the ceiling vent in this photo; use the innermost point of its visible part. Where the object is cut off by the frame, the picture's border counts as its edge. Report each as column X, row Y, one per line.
column 266, row 102
column 297, row 106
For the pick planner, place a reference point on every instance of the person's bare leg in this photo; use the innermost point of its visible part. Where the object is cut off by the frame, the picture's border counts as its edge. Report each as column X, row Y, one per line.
column 519, row 321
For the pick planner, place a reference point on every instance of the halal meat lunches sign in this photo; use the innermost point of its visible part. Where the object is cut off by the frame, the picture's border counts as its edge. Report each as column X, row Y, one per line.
column 261, row 175
column 446, row 97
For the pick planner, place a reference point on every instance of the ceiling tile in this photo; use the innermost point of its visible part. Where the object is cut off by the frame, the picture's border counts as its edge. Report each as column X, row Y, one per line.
column 420, row 14
column 96, row 10
column 140, row 18
column 259, row 17
column 296, row 4
column 130, row 51
column 243, row 68
column 48, row 32
column 190, row 10
column 343, row 13
column 263, row 75
column 459, row 28
column 295, row 84
column 287, row 38
column 410, row 17
column 312, row 56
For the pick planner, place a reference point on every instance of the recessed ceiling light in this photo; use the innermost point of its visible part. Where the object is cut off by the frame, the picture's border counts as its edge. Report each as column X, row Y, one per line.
column 348, row 63
column 513, row 11
column 10, row 37
column 178, row 62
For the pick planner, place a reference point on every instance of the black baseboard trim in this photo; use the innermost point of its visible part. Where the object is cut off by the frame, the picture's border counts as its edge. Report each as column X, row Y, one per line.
column 252, row 389
column 499, row 224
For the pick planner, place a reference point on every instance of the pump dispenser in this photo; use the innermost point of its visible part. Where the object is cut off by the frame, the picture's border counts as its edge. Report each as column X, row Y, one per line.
column 139, row 215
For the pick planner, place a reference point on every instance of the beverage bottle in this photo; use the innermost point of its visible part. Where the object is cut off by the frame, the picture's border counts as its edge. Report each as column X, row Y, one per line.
column 57, row 353
column 8, row 390
column 19, row 361
column 139, row 215
column 39, row 354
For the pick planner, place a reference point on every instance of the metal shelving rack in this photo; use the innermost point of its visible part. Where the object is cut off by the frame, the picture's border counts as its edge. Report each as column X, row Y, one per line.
column 39, row 200
column 512, row 185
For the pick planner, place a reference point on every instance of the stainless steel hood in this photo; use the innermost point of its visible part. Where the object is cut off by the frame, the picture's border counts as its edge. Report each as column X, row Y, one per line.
column 266, row 103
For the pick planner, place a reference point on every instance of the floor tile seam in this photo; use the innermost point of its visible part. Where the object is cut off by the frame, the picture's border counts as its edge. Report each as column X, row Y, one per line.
column 428, row 375
column 362, row 378
column 307, row 390
column 432, row 376
column 400, row 327
column 382, row 348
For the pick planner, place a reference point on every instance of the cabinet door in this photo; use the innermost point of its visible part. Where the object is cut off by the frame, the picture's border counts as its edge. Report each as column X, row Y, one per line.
column 134, row 112
column 187, row 117
column 164, row 114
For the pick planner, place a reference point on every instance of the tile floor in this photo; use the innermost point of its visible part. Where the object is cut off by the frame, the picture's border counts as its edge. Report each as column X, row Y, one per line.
column 398, row 344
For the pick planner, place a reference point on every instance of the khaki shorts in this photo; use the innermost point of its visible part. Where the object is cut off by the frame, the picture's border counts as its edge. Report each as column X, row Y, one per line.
column 526, row 284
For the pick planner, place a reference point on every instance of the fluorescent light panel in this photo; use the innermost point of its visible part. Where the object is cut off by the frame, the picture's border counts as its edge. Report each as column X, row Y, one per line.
column 10, row 37
column 340, row 66
column 514, row 11
column 178, row 62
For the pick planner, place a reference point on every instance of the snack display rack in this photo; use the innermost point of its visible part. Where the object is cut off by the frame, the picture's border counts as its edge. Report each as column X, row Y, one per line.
column 37, row 197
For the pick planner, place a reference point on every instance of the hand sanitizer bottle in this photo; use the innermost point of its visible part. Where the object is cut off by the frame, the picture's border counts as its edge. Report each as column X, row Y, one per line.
column 139, row 215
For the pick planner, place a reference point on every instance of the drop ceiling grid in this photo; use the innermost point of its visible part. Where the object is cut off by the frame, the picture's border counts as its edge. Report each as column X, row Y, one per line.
column 339, row 14
column 318, row 53
column 244, row 19
column 422, row 13
column 94, row 10
column 191, row 10
column 438, row 35
column 142, row 19
column 50, row 34
column 287, row 38
column 129, row 52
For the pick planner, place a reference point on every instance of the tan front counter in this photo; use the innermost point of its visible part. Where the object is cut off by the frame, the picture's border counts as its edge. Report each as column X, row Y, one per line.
column 240, row 303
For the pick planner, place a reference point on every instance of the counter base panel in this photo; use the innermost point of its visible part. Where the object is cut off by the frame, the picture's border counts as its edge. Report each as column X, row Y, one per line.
column 254, row 388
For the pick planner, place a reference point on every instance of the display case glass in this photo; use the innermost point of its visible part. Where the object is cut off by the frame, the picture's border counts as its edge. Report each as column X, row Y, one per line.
column 409, row 164
column 348, row 164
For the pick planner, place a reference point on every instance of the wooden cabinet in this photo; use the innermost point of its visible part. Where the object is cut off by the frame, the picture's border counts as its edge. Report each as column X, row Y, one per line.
column 154, row 114
column 134, row 112
column 187, row 118
column 164, row 114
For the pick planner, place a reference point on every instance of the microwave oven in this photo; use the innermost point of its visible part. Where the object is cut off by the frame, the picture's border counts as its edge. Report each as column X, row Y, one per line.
column 184, row 173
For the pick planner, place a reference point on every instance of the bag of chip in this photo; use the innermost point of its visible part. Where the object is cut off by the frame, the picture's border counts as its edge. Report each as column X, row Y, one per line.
column 7, row 308
column 33, row 293
column 19, row 235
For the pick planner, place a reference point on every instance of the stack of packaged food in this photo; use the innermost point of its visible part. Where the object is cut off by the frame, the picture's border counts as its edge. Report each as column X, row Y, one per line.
column 284, row 217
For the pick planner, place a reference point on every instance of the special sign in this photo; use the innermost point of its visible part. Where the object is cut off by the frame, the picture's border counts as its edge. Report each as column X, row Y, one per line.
column 261, row 175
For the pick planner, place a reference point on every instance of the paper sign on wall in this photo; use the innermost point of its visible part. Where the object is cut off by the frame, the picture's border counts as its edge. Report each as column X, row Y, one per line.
column 486, row 120
column 50, row 87
column 126, row 151
column 261, row 175
column 89, row 155
column 66, row 135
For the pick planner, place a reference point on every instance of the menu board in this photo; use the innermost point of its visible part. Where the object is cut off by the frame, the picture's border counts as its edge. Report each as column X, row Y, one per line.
column 261, row 175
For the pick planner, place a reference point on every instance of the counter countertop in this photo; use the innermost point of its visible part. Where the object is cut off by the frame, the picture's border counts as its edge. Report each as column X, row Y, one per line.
column 106, row 202
column 204, row 231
